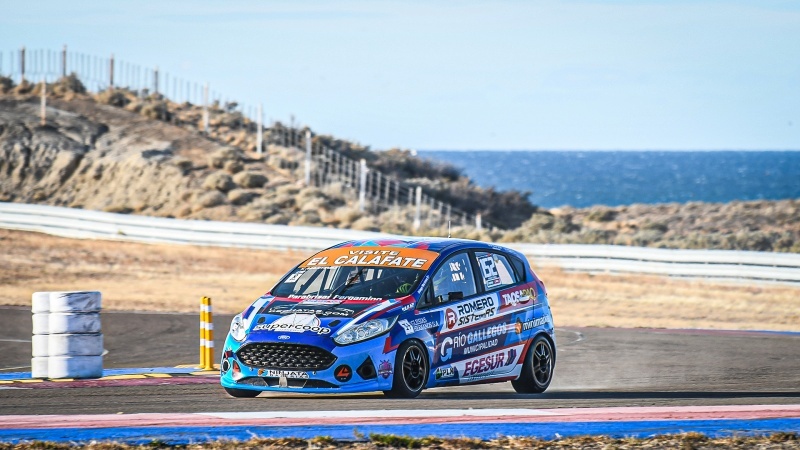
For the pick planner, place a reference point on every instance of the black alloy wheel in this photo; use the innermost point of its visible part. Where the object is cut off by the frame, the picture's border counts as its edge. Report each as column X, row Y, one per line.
column 537, row 371
column 410, row 371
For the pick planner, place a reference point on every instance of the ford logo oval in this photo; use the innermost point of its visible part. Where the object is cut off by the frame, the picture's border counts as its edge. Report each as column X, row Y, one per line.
column 283, row 337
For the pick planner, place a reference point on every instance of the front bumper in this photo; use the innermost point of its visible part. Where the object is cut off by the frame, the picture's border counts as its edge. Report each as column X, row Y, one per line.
column 361, row 367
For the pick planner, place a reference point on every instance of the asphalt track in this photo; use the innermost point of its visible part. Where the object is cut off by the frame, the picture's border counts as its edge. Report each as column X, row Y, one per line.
column 596, row 367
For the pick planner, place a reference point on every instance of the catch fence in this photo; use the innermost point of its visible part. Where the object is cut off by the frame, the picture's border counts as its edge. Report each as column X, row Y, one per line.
column 318, row 164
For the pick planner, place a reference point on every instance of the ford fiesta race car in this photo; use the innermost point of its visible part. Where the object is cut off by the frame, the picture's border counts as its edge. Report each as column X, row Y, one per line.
column 396, row 316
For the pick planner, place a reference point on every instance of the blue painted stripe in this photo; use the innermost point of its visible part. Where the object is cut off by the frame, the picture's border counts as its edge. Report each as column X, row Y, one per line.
column 544, row 430
column 108, row 372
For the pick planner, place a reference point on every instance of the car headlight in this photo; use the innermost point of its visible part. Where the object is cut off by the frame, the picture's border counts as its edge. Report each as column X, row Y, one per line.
column 238, row 330
column 364, row 331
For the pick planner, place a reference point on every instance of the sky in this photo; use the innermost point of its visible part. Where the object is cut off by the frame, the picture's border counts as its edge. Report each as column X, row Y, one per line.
column 561, row 75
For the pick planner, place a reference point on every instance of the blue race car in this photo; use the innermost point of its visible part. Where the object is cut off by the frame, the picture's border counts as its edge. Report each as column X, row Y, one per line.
column 396, row 316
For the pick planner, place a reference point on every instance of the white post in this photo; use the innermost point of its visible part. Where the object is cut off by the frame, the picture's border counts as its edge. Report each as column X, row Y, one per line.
column 205, row 109
column 44, row 102
column 478, row 224
column 308, row 157
column 362, row 190
column 417, row 222
column 260, row 135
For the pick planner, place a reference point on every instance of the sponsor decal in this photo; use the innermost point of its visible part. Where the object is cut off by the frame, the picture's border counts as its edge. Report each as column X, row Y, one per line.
column 408, row 307
column 496, row 363
column 385, row 369
column 284, row 374
column 414, row 325
column 411, row 258
column 443, row 373
column 424, row 283
column 535, row 323
column 320, row 301
column 343, row 373
column 295, row 323
column 520, row 296
column 489, row 363
column 322, row 311
column 489, row 271
column 295, row 276
column 450, row 318
column 474, row 311
column 284, row 337
column 470, row 342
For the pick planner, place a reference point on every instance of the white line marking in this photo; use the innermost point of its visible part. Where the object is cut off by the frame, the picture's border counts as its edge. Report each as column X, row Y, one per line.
column 380, row 413
column 12, row 368
column 15, row 340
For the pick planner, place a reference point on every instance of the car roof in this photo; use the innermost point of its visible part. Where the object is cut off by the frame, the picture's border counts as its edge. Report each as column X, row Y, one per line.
column 434, row 244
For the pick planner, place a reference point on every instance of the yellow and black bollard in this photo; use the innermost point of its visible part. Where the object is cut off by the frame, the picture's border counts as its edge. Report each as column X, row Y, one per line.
column 206, row 335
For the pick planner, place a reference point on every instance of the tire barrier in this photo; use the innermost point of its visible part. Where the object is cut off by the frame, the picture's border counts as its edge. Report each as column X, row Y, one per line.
column 67, row 340
column 206, row 335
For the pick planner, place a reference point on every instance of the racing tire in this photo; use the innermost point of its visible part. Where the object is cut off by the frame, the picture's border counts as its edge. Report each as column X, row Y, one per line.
column 537, row 371
column 410, row 371
column 241, row 393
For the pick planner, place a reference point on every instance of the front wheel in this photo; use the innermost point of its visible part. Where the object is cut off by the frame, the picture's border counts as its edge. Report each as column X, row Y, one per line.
column 537, row 371
column 410, row 371
column 241, row 393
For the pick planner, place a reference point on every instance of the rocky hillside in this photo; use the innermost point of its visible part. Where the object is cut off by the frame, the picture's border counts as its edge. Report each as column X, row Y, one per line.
column 121, row 152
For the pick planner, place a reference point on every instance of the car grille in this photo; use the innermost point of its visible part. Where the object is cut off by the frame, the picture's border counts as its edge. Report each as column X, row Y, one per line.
column 272, row 355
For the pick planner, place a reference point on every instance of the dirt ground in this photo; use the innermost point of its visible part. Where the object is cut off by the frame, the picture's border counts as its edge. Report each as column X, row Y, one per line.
column 157, row 277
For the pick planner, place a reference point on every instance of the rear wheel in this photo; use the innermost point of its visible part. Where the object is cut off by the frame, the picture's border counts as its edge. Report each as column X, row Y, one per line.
column 410, row 371
column 537, row 371
column 241, row 393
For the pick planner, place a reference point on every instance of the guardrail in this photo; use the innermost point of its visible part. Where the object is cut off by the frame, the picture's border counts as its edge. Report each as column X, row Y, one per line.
column 714, row 264
column 81, row 223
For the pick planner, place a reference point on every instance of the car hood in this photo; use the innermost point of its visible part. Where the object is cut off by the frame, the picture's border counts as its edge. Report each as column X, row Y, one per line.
column 271, row 316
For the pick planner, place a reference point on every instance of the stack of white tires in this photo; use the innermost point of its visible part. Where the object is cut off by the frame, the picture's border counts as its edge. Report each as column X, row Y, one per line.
column 67, row 342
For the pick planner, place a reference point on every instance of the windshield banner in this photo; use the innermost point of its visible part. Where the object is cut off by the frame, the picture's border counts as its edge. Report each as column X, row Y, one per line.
column 409, row 258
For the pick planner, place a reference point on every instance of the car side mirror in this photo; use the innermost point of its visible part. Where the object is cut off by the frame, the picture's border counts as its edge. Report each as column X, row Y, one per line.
column 456, row 295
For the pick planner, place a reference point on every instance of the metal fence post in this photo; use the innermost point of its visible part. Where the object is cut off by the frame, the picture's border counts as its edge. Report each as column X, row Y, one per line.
column 205, row 109
column 308, row 157
column 111, row 72
column 260, row 135
column 64, row 61
column 417, row 211
column 44, row 102
column 362, row 186
column 155, row 80
column 478, row 224
column 22, row 64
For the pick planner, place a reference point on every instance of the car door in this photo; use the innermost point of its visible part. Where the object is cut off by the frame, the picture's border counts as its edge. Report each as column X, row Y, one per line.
column 479, row 338
column 452, row 291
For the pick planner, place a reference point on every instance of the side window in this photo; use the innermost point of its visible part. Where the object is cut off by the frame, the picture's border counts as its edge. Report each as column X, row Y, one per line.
column 495, row 270
column 454, row 279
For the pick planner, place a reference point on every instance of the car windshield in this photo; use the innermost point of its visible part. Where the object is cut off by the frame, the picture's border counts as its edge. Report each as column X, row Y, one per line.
column 349, row 282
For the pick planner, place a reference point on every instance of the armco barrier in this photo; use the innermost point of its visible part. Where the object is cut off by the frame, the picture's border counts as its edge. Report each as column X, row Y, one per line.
column 716, row 264
column 712, row 264
column 82, row 223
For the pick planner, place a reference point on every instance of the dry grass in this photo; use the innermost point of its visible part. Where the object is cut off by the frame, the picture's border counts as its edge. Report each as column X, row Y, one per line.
column 133, row 276
column 683, row 440
column 157, row 277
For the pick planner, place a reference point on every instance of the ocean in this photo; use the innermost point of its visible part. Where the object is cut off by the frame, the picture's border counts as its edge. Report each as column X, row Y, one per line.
column 586, row 178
